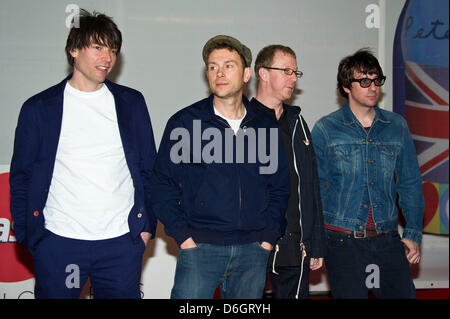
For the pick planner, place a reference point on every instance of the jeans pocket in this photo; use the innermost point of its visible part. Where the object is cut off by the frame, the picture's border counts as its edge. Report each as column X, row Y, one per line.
column 262, row 248
column 186, row 250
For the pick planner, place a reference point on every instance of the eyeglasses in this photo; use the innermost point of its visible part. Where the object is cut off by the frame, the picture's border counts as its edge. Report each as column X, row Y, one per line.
column 366, row 82
column 287, row 71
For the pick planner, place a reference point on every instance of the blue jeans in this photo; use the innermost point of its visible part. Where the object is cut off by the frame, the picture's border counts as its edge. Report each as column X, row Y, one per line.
column 240, row 270
column 62, row 266
column 355, row 265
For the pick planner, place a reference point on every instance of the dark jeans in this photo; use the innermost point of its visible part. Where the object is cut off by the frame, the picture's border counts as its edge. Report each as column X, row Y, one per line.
column 240, row 270
column 355, row 265
column 285, row 283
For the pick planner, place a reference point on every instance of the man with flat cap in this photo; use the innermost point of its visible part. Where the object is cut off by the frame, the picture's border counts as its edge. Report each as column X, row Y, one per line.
column 221, row 183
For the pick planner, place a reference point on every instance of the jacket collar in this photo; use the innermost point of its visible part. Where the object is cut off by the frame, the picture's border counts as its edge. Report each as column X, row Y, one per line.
column 267, row 110
column 290, row 110
column 208, row 109
column 349, row 118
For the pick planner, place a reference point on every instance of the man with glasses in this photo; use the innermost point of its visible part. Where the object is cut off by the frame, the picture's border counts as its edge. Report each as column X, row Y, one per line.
column 366, row 157
column 302, row 246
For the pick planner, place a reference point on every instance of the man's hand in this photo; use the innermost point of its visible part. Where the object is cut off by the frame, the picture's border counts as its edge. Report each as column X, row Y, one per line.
column 188, row 243
column 146, row 237
column 315, row 263
column 412, row 251
column 266, row 245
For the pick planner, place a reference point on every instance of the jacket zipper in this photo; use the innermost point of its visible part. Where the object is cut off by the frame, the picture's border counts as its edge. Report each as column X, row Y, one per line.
column 238, row 175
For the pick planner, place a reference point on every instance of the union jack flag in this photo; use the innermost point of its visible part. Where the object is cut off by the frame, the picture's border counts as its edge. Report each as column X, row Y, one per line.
column 427, row 113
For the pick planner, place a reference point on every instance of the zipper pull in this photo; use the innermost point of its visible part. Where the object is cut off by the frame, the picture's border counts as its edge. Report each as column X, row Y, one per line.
column 303, row 250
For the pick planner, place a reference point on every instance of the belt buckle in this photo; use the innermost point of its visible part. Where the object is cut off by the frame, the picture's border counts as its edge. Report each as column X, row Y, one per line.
column 357, row 234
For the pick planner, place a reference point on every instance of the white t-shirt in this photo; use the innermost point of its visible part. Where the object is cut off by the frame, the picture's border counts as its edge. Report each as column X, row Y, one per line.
column 234, row 124
column 91, row 192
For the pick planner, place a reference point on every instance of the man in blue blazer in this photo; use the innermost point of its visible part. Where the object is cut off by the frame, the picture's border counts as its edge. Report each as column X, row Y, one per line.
column 83, row 154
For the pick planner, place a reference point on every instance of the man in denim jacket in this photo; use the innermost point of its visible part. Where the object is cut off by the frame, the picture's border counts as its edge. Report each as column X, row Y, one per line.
column 366, row 157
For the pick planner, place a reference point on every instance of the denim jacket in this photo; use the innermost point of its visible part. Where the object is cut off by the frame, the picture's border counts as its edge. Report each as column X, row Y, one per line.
column 358, row 169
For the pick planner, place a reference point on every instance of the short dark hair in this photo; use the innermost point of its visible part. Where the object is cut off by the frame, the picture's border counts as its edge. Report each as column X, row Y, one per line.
column 92, row 27
column 363, row 61
column 266, row 55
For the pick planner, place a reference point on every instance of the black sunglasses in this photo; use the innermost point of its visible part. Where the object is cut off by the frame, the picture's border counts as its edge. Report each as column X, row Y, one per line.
column 366, row 82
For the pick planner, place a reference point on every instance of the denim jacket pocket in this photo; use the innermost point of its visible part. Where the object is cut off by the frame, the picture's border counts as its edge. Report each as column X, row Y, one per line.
column 388, row 156
column 347, row 159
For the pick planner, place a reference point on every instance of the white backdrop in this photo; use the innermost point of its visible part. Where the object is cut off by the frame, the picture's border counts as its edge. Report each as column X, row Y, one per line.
column 161, row 57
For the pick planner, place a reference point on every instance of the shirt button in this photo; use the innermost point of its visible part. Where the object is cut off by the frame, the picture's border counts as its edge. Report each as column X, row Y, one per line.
column 139, row 215
column 370, row 183
column 365, row 206
column 370, row 161
column 35, row 213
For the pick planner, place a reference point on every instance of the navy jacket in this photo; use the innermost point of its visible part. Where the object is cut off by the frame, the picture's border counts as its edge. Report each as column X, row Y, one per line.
column 36, row 141
column 210, row 195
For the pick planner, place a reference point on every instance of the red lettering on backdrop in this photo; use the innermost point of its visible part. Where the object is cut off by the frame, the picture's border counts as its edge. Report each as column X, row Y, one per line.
column 16, row 263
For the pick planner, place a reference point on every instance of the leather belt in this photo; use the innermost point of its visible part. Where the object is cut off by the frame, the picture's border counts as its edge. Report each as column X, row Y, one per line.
column 357, row 234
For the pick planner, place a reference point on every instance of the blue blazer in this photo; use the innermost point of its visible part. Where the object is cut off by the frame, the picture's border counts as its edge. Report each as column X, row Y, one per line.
column 36, row 141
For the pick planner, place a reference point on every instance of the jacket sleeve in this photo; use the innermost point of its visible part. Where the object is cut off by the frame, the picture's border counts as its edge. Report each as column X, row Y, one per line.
column 26, row 144
column 409, row 187
column 320, row 142
column 318, row 234
column 147, row 160
column 166, row 192
column 279, row 191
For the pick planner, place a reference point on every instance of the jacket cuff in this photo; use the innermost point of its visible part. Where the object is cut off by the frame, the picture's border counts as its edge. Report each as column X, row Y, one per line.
column 270, row 236
column 181, row 235
column 412, row 235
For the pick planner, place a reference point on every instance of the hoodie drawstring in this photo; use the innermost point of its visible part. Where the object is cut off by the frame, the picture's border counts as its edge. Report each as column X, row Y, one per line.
column 277, row 249
column 303, row 252
column 302, row 246
column 306, row 140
